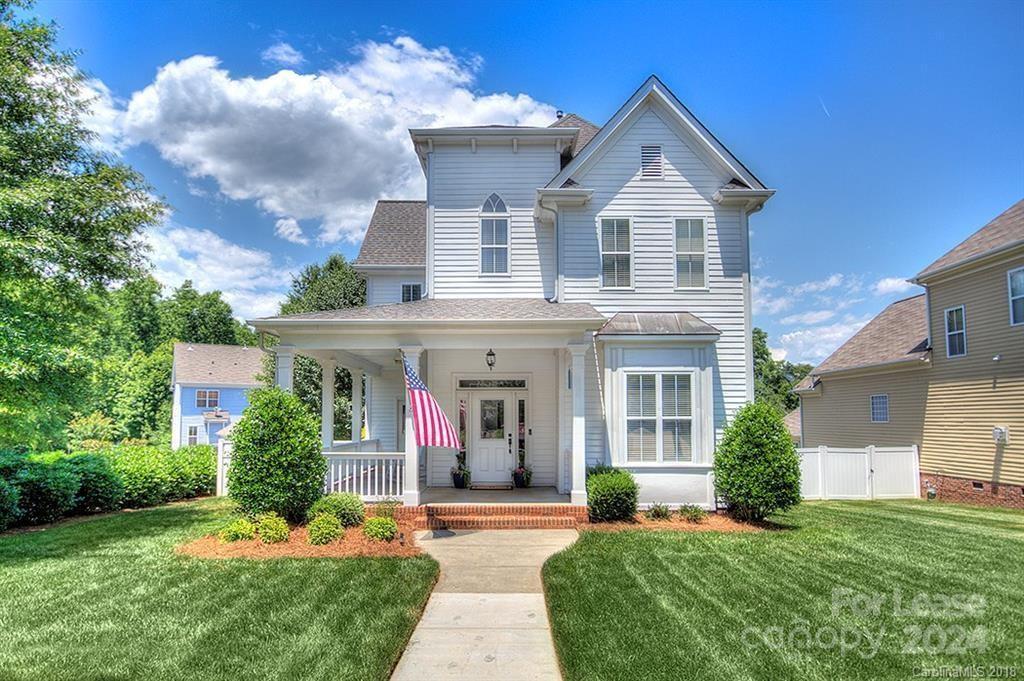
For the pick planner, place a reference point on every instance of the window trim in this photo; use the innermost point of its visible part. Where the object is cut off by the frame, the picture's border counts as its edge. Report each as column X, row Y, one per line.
column 871, row 408
column 948, row 333
column 206, row 401
column 507, row 217
column 401, row 290
column 1010, row 296
column 676, row 253
column 696, row 458
column 601, row 253
column 191, row 436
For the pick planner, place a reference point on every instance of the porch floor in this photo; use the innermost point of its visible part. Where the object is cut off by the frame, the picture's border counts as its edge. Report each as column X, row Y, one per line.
column 528, row 495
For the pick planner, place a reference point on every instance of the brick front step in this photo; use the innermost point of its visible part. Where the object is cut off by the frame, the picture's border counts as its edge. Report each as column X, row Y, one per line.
column 493, row 516
column 495, row 522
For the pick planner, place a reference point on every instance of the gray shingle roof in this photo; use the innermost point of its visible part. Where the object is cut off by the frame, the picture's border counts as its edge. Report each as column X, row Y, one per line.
column 396, row 235
column 657, row 323
column 1006, row 229
column 217, row 364
column 899, row 333
column 583, row 137
column 453, row 310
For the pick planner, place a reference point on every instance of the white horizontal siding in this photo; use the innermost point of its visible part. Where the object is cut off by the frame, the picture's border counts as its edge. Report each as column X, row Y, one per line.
column 460, row 182
column 383, row 395
column 382, row 289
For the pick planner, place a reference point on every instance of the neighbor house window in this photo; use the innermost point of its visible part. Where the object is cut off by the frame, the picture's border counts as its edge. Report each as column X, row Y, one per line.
column 651, row 165
column 616, row 253
column 494, row 236
column 659, row 418
column 879, row 408
column 411, row 292
column 1016, row 284
column 208, row 399
column 956, row 332
column 690, row 248
column 193, row 435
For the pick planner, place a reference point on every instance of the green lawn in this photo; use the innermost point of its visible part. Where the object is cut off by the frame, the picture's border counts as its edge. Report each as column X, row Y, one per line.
column 108, row 599
column 660, row 605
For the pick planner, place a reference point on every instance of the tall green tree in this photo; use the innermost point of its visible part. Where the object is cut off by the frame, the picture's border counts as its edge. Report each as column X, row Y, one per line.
column 70, row 221
column 143, row 404
column 135, row 310
column 193, row 317
column 774, row 379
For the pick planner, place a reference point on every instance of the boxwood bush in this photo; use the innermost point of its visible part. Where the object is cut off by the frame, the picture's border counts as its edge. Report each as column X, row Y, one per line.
column 272, row 528
column 46, row 491
column 611, row 495
column 381, row 529
column 757, row 470
column 276, row 464
column 323, row 529
column 348, row 508
column 100, row 488
column 8, row 504
column 156, row 475
column 237, row 530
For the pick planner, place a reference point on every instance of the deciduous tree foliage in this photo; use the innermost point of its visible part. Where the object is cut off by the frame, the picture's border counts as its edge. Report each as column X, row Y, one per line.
column 774, row 379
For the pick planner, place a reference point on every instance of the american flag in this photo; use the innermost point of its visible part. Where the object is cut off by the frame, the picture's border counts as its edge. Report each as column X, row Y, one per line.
column 429, row 422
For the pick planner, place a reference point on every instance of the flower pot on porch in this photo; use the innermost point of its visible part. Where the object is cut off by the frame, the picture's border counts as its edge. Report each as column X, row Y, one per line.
column 460, row 480
column 521, row 477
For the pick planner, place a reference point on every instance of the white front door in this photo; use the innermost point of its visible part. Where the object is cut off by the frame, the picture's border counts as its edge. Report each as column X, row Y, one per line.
column 490, row 457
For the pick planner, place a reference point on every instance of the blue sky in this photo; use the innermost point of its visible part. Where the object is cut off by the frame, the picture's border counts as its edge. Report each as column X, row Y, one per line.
column 890, row 130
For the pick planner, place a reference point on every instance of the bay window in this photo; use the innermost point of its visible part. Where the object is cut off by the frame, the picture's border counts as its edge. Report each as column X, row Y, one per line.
column 659, row 417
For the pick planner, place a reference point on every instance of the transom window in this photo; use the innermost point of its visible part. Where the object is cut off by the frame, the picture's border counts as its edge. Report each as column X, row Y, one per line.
column 411, row 292
column 956, row 332
column 690, row 247
column 879, row 408
column 616, row 253
column 494, row 236
column 208, row 399
column 492, row 383
column 1015, row 280
column 659, row 417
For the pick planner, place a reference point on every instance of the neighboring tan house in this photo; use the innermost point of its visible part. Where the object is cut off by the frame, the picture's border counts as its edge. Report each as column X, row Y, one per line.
column 943, row 370
column 211, row 385
column 572, row 294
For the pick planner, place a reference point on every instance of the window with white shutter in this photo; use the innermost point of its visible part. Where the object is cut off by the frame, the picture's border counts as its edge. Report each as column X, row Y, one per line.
column 659, row 418
column 616, row 253
column 650, row 161
column 691, row 247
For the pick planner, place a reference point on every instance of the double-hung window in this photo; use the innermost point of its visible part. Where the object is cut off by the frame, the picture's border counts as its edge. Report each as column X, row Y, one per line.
column 690, row 249
column 956, row 332
column 880, row 408
column 208, row 399
column 411, row 292
column 1015, row 281
column 494, row 236
column 659, row 417
column 616, row 253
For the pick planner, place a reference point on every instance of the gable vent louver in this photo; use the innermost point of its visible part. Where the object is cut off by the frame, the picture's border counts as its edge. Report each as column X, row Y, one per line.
column 650, row 161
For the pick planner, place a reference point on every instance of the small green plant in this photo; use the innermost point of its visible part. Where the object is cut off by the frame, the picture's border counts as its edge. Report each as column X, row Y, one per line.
column 386, row 508
column 658, row 512
column 692, row 514
column 346, row 507
column 611, row 495
column 381, row 529
column 272, row 528
column 237, row 530
column 324, row 529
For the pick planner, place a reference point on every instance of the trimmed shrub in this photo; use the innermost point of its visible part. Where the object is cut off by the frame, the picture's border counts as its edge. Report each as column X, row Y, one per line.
column 757, row 470
column 46, row 492
column 198, row 466
column 276, row 463
column 11, row 463
column 237, row 530
column 272, row 528
column 348, row 508
column 658, row 512
column 100, row 488
column 8, row 504
column 612, row 495
column 147, row 480
column 692, row 514
column 386, row 508
column 324, row 529
column 381, row 529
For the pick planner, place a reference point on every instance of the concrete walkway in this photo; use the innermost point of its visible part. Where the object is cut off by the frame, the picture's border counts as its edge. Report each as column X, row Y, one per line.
column 486, row 618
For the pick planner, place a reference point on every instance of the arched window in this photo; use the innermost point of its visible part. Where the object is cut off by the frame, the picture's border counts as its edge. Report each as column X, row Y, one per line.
column 494, row 237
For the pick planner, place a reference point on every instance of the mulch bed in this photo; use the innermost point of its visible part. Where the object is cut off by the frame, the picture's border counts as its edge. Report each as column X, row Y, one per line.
column 715, row 522
column 352, row 544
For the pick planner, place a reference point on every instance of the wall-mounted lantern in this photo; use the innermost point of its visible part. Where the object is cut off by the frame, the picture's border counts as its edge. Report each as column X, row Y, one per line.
column 491, row 359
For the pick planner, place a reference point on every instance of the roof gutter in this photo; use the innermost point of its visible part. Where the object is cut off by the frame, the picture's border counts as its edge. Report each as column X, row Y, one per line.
column 269, row 324
column 752, row 200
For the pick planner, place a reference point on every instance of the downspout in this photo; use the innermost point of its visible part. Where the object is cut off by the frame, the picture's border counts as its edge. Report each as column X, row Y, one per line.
column 558, row 261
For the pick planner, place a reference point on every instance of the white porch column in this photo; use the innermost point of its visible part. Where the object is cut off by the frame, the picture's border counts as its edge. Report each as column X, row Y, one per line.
column 357, row 404
column 327, row 367
column 412, row 456
column 578, row 495
column 285, row 366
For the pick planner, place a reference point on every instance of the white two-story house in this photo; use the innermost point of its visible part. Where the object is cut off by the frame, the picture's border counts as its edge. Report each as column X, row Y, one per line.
column 570, row 294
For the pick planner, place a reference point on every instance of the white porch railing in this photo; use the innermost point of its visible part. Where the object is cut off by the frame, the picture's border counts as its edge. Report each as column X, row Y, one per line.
column 372, row 475
column 859, row 473
column 355, row 446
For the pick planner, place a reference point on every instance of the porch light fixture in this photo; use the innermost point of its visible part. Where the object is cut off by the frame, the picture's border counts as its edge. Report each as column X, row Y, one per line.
column 491, row 358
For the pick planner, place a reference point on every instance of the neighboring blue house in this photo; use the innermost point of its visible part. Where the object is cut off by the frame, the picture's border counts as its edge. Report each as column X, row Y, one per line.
column 211, row 385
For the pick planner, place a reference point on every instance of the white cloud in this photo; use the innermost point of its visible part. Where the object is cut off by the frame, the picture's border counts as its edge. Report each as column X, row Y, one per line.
column 103, row 114
column 252, row 283
column 810, row 317
column 815, row 343
column 817, row 286
column 283, row 54
column 889, row 285
column 765, row 300
column 320, row 146
column 778, row 354
column 289, row 230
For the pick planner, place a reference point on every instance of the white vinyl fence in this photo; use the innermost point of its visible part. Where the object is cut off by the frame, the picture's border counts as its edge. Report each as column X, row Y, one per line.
column 867, row 473
column 372, row 475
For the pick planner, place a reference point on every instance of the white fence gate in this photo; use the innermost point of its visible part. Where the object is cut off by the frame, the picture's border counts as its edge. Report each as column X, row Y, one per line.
column 867, row 473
